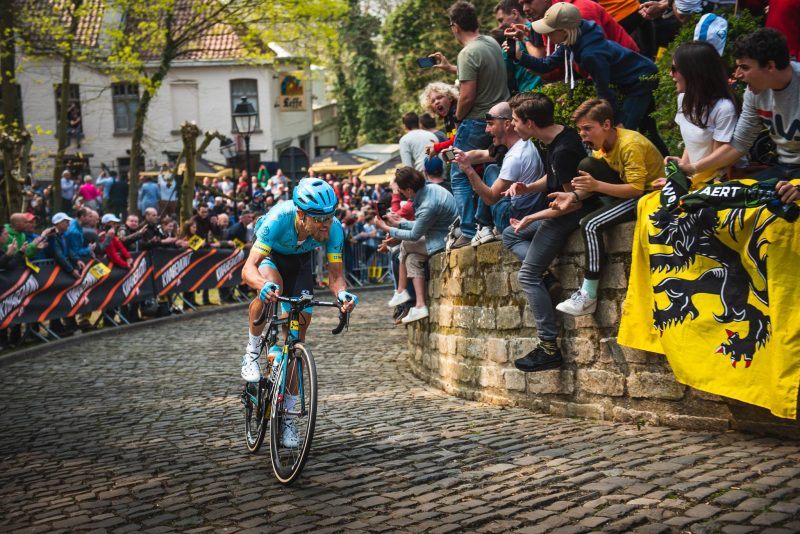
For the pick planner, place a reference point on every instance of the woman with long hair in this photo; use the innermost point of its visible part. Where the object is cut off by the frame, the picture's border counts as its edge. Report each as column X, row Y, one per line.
column 707, row 107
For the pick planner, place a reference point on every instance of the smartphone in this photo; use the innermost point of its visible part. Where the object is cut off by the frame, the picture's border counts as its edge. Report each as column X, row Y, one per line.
column 512, row 44
column 448, row 155
column 426, row 62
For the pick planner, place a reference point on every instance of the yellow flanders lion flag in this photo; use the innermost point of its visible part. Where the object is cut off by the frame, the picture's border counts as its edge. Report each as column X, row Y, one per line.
column 715, row 286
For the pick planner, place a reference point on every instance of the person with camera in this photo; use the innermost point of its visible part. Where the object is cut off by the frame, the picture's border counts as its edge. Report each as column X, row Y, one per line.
column 481, row 72
column 434, row 211
column 513, row 160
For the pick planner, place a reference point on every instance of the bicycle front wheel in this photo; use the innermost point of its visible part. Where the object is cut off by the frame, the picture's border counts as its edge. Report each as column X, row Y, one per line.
column 293, row 414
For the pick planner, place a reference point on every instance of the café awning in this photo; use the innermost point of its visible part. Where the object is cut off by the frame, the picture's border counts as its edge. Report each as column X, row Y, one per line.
column 382, row 173
column 335, row 161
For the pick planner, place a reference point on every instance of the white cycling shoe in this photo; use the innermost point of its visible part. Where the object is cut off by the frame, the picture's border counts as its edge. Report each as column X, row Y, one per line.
column 289, row 437
column 251, row 371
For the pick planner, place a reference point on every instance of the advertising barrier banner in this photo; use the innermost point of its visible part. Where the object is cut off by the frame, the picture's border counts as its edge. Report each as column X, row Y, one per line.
column 27, row 296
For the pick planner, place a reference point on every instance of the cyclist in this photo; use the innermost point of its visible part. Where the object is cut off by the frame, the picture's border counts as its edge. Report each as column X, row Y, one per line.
column 280, row 264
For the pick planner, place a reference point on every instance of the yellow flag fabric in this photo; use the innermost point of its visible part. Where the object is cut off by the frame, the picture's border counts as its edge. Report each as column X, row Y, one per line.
column 718, row 292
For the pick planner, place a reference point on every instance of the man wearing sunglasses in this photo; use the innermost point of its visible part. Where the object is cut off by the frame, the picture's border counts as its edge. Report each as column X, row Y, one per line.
column 280, row 259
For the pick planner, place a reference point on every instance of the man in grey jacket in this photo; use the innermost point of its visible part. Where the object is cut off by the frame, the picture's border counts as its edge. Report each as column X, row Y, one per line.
column 434, row 211
column 772, row 100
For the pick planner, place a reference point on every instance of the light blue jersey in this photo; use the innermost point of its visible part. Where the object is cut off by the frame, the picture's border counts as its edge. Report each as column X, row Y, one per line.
column 276, row 231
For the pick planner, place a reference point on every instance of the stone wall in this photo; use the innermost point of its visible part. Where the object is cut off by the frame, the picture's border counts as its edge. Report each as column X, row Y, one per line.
column 480, row 323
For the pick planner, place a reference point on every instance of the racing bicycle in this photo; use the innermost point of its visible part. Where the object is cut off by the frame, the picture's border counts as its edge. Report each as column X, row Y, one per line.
column 294, row 374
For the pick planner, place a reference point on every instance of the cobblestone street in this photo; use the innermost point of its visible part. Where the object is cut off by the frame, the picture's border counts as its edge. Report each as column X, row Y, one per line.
column 144, row 432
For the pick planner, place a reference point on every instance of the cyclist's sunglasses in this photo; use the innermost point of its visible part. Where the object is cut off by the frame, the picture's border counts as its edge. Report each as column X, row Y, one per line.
column 321, row 219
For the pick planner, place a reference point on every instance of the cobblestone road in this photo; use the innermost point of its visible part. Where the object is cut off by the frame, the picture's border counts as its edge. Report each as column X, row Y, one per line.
column 143, row 432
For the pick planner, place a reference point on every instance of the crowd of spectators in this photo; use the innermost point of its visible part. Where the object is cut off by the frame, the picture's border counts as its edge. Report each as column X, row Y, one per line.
column 94, row 223
column 518, row 176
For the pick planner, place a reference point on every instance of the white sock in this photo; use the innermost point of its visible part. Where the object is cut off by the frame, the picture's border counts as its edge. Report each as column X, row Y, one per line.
column 289, row 402
column 252, row 344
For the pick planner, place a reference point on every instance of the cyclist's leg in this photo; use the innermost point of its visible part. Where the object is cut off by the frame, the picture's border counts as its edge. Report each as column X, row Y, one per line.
column 251, row 371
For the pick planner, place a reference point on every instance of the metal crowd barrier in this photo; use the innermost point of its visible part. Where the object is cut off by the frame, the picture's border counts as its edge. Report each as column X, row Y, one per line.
column 363, row 266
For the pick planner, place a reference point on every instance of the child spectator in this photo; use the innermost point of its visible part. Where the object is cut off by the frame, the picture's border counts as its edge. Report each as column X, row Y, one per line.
column 608, row 63
column 623, row 166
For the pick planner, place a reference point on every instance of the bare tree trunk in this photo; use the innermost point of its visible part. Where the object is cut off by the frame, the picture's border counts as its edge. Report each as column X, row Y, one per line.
column 189, row 133
column 63, row 100
column 12, row 192
column 168, row 54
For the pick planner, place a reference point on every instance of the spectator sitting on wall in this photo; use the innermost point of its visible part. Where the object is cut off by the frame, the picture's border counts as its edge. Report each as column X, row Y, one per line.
column 515, row 160
column 624, row 165
column 434, row 211
column 772, row 97
column 706, row 112
column 481, row 72
column 537, row 239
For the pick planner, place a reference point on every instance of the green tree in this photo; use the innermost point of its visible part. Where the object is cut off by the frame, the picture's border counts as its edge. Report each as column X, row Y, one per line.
column 417, row 28
column 364, row 91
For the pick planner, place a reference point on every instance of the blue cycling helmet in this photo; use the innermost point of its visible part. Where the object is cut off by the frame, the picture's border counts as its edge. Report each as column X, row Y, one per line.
column 315, row 197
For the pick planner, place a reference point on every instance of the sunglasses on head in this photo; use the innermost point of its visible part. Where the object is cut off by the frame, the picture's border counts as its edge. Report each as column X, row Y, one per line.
column 489, row 117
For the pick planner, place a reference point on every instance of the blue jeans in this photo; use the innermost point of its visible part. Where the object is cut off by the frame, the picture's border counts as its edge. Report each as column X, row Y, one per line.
column 470, row 135
column 537, row 246
column 497, row 214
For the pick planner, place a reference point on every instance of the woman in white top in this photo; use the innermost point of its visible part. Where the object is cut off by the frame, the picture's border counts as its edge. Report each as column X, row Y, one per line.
column 707, row 107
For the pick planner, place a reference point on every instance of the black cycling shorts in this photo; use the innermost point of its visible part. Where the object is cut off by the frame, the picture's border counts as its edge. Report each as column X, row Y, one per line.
column 296, row 271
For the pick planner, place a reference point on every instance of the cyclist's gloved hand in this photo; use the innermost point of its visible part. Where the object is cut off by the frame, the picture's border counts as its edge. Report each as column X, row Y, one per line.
column 269, row 287
column 344, row 297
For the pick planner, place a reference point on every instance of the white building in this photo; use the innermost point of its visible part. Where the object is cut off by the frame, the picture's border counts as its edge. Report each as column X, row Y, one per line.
column 203, row 89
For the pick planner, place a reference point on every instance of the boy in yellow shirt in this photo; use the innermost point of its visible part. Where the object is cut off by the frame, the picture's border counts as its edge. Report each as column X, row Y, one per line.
column 623, row 165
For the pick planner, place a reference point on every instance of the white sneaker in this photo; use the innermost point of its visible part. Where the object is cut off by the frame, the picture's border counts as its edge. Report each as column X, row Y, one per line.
column 415, row 314
column 578, row 304
column 399, row 298
column 289, row 437
column 483, row 235
column 251, row 371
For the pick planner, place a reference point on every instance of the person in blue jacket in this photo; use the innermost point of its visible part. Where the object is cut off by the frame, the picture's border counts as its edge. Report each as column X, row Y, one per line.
column 584, row 43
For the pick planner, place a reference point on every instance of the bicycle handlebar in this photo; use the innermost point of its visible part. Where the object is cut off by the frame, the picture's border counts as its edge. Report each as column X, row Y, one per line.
column 306, row 301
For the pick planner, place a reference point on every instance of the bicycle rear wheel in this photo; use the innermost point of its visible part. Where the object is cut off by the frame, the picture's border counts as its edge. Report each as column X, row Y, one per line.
column 298, row 376
column 256, row 413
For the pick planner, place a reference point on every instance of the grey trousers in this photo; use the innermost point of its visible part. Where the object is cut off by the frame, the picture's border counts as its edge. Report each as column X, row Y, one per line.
column 537, row 246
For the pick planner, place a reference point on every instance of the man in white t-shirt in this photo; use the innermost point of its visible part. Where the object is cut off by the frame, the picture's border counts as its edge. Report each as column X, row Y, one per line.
column 167, row 191
column 520, row 163
column 413, row 143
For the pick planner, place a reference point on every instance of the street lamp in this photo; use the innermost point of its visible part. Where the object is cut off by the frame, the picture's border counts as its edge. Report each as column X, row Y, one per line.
column 228, row 150
column 244, row 118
